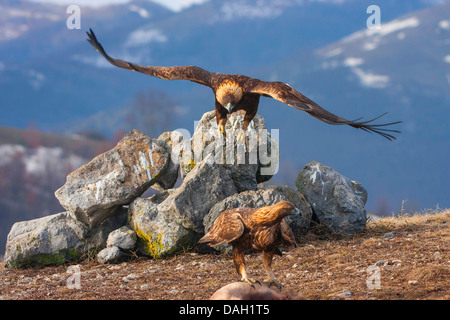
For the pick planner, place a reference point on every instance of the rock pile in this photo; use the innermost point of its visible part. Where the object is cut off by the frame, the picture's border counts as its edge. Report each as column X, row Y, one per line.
column 173, row 220
column 105, row 212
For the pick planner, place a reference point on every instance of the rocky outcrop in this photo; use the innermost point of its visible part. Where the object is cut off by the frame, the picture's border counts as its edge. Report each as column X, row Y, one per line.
column 174, row 220
column 250, row 163
column 217, row 174
column 338, row 202
column 95, row 190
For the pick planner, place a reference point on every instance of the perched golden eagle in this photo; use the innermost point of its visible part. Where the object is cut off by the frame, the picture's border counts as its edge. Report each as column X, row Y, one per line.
column 237, row 92
column 262, row 229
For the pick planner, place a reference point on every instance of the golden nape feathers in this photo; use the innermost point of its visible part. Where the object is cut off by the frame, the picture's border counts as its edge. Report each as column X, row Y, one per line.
column 229, row 91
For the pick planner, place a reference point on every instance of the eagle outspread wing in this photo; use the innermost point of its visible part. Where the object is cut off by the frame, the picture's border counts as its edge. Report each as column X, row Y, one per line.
column 276, row 90
column 286, row 94
column 226, row 228
column 190, row 73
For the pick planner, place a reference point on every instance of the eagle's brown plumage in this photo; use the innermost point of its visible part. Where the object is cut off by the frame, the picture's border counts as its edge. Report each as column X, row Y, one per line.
column 262, row 229
column 238, row 92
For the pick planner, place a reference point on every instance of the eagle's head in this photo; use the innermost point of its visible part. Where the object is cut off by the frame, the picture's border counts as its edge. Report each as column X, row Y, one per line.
column 275, row 213
column 285, row 208
column 229, row 93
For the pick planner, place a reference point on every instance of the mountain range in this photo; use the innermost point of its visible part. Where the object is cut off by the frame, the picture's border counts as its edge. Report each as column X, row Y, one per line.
column 52, row 78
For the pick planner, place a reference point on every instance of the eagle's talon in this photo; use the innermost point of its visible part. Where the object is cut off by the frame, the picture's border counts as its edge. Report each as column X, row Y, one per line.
column 241, row 136
column 221, row 131
column 273, row 282
column 235, row 124
column 251, row 282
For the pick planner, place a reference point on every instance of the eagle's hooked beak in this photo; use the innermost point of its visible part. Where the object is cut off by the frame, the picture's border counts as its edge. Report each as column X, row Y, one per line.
column 229, row 107
column 296, row 212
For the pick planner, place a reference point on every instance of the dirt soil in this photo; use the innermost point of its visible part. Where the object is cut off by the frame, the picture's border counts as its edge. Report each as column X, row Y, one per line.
column 406, row 257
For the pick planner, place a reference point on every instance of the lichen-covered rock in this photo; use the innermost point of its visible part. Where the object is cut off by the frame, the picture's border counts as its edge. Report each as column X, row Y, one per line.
column 338, row 202
column 157, row 237
column 123, row 238
column 55, row 239
column 94, row 191
column 250, row 163
column 171, row 221
column 261, row 198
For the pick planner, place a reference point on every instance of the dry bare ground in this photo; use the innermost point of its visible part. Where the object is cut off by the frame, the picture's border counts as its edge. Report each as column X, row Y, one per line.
column 405, row 257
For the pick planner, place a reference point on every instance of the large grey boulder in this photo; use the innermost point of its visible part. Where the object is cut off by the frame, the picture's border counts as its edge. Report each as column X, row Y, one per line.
column 338, row 202
column 173, row 220
column 250, row 163
column 94, row 191
column 261, row 198
column 159, row 235
column 56, row 239
column 169, row 178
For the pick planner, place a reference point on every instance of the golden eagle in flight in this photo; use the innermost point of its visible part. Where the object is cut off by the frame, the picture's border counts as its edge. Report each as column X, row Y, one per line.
column 237, row 92
column 262, row 229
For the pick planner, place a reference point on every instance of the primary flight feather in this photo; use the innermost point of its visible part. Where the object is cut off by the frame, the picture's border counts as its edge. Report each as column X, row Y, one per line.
column 238, row 92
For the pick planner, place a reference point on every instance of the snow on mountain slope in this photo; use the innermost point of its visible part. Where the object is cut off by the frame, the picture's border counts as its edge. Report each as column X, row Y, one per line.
column 16, row 21
column 231, row 10
column 142, row 37
column 410, row 50
column 41, row 161
column 406, row 72
column 376, row 34
column 179, row 5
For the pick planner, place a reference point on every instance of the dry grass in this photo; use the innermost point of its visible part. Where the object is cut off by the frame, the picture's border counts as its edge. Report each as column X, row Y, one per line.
column 409, row 253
